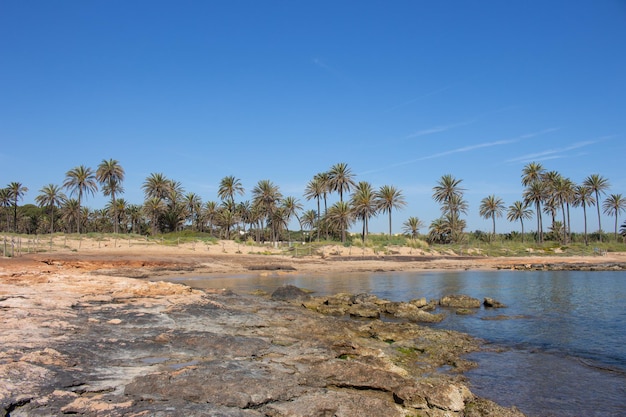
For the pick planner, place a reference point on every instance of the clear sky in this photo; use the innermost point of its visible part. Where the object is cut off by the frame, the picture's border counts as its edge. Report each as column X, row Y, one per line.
column 402, row 91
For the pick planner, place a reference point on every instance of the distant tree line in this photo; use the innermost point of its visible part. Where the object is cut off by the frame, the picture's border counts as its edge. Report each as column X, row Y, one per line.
column 167, row 207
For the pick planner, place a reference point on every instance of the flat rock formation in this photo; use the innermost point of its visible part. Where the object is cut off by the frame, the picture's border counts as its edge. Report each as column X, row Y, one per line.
column 98, row 345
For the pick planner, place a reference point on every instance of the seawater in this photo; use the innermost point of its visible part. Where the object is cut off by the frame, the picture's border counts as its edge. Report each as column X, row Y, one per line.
column 558, row 349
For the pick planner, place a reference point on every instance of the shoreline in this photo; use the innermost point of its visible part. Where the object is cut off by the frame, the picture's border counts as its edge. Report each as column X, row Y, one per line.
column 81, row 334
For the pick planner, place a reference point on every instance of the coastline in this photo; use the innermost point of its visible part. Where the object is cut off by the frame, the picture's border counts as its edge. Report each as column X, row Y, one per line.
column 61, row 309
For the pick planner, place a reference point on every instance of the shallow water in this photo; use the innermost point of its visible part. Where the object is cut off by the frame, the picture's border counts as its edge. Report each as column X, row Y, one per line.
column 561, row 351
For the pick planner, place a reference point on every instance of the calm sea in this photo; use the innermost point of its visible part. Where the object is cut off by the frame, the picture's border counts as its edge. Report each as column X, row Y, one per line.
column 560, row 350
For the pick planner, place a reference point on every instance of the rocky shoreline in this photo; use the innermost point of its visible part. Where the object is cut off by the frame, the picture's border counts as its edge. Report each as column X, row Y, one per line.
column 81, row 336
column 117, row 347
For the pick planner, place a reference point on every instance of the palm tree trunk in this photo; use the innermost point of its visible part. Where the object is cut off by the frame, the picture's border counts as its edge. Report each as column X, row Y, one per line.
column 564, row 224
column 522, row 222
column 585, row 217
column 599, row 222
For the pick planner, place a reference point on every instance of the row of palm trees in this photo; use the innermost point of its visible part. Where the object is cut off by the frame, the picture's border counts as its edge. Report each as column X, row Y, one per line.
column 167, row 207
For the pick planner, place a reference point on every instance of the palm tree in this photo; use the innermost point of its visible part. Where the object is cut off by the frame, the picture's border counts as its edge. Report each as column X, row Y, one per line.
column 156, row 185
column 70, row 213
column 613, row 206
column 412, row 226
column 51, row 197
column 134, row 213
column 153, row 208
column 584, row 198
column 110, row 175
column 341, row 179
column 80, row 180
column 519, row 211
column 291, row 206
column 340, row 216
column 16, row 192
column 388, row 198
column 266, row 196
column 316, row 188
column 193, row 202
column 533, row 179
column 534, row 194
column 209, row 212
column 5, row 202
column 229, row 186
column 363, row 203
column 532, row 172
column 310, row 220
column 598, row 184
column 490, row 208
column 447, row 187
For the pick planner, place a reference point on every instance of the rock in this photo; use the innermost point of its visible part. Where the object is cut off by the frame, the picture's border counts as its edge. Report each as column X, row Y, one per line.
column 290, row 293
column 370, row 311
column 335, row 403
column 434, row 394
column 459, row 301
column 410, row 312
column 491, row 303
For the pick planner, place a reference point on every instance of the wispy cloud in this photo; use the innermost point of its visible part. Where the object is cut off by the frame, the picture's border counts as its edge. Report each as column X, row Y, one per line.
column 469, row 148
column 486, row 145
column 433, row 130
column 556, row 153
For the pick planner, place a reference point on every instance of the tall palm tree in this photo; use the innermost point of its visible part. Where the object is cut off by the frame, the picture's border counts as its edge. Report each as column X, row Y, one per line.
column 613, row 206
column 80, row 180
column 583, row 197
column 51, row 197
column 292, row 207
column 209, row 212
column 340, row 216
column 341, row 179
column 266, row 196
column 363, row 203
column 533, row 179
column 519, row 211
column 447, row 187
column 598, row 184
column 316, row 189
column 490, row 208
column 193, row 202
column 156, row 185
column 412, row 226
column 388, row 198
column 5, row 202
column 535, row 194
column 229, row 186
column 532, row 172
column 110, row 175
column 16, row 193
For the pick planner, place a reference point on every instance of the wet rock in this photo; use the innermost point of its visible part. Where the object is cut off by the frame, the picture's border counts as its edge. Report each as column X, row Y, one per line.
column 491, row 303
column 459, row 301
column 290, row 293
column 412, row 313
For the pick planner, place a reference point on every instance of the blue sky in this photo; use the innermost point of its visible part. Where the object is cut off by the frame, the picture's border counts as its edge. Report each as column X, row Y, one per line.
column 403, row 92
